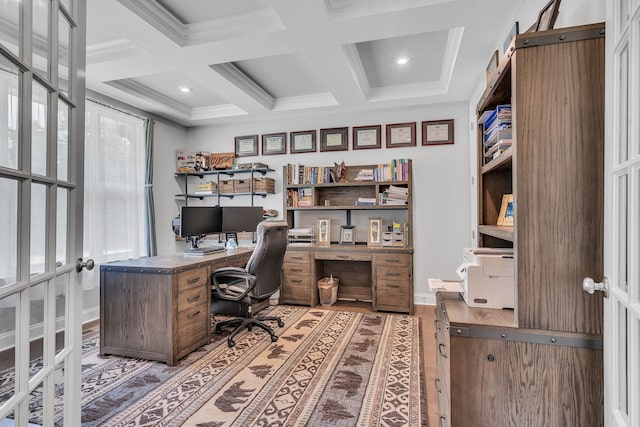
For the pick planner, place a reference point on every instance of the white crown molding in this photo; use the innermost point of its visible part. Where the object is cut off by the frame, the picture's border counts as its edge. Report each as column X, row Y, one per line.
column 113, row 49
column 305, row 101
column 160, row 18
column 133, row 87
column 240, row 80
column 217, row 111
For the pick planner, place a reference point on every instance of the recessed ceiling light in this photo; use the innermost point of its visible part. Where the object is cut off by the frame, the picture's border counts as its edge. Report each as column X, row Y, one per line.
column 402, row 60
column 185, row 89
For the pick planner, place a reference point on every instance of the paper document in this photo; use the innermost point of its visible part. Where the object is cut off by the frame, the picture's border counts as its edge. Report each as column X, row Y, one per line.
column 439, row 285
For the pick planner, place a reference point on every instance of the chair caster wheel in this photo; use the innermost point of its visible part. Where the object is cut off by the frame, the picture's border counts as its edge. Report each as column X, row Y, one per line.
column 232, row 343
column 280, row 323
column 274, row 338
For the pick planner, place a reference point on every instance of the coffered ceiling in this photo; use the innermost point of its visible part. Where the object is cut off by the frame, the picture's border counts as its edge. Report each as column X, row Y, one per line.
column 261, row 59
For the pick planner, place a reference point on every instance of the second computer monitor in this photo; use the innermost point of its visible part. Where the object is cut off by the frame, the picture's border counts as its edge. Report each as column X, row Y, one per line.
column 236, row 219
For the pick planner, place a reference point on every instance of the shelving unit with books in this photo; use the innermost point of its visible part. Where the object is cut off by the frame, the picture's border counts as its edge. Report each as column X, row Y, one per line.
column 554, row 170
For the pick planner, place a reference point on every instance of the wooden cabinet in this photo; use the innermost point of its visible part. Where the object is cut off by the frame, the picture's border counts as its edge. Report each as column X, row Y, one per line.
column 382, row 275
column 544, row 366
column 298, row 279
column 158, row 308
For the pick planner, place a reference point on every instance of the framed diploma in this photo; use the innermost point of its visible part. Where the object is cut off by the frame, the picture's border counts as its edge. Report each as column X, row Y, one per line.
column 274, row 143
column 246, row 145
column 366, row 137
column 437, row 132
column 401, row 135
column 302, row 142
column 334, row 139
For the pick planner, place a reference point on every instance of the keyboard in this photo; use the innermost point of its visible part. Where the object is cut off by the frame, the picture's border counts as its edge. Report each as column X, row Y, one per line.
column 204, row 250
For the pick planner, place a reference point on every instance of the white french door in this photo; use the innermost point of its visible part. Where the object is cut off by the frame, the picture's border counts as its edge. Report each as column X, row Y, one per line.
column 42, row 92
column 622, row 215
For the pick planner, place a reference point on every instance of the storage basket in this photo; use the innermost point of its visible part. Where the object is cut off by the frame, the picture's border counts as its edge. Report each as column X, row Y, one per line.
column 227, row 187
column 241, row 185
column 328, row 291
column 264, row 185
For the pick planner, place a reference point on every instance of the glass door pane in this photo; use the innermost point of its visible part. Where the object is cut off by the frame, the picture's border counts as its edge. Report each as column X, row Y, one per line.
column 39, row 127
column 9, row 113
column 40, row 45
column 38, row 228
column 9, row 224
column 63, row 140
column 10, row 28
column 64, row 46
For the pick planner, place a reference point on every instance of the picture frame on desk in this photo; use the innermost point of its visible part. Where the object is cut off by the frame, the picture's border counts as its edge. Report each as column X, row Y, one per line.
column 505, row 218
column 347, row 234
column 324, row 232
column 374, row 236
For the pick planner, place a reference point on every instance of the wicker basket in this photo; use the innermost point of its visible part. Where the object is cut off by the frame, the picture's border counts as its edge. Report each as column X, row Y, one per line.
column 264, row 185
column 241, row 185
column 227, row 187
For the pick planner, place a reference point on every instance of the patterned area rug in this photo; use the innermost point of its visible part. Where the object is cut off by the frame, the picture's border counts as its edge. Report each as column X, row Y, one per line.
column 327, row 368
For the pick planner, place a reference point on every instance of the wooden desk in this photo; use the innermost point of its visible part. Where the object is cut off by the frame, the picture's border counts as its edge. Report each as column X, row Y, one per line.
column 380, row 275
column 158, row 308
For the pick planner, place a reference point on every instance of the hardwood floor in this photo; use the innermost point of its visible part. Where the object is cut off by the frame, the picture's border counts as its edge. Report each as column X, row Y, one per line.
column 424, row 312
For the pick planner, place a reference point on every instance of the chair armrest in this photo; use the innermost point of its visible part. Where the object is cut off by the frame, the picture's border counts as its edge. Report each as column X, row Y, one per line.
column 224, row 270
column 235, row 276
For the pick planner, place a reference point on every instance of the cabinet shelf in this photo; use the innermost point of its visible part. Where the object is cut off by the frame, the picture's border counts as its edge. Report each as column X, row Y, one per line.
column 349, row 184
column 227, row 172
column 498, row 231
column 503, row 161
column 345, row 208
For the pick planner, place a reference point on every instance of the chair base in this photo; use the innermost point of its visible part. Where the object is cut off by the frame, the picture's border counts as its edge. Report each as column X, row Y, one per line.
column 247, row 323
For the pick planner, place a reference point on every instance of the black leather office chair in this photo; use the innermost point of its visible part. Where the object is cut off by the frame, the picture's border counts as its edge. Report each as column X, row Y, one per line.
column 254, row 283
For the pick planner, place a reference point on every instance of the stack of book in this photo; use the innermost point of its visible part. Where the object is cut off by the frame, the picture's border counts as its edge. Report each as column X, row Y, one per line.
column 394, row 195
column 206, row 187
column 396, row 170
column 301, row 174
column 300, row 197
column 365, row 175
column 496, row 129
column 366, row 201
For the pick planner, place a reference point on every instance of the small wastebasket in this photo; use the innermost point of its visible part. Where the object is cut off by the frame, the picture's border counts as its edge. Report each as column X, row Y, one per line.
column 328, row 290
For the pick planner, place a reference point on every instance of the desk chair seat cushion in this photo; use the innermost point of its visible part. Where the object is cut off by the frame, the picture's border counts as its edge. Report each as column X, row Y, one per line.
column 256, row 282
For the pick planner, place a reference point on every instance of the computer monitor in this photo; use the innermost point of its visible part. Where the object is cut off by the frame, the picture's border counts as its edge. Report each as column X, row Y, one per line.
column 196, row 221
column 236, row 219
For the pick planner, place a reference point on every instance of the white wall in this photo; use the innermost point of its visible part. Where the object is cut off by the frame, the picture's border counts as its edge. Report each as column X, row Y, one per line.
column 440, row 176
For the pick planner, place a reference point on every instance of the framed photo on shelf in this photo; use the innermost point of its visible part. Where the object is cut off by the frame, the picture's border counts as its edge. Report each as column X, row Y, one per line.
column 274, row 143
column 547, row 16
column 246, row 145
column 324, row 232
column 302, row 141
column 506, row 211
column 492, row 66
column 401, row 135
column 335, row 139
column 374, row 237
column 347, row 234
column 437, row 132
column 367, row 137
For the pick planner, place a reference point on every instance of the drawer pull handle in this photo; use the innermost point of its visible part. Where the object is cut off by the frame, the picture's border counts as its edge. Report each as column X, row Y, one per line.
column 297, row 280
column 393, row 286
column 436, row 381
column 393, row 274
column 296, row 257
column 192, row 299
column 297, row 269
column 193, row 280
column 342, row 256
column 442, row 353
column 395, row 261
column 192, row 315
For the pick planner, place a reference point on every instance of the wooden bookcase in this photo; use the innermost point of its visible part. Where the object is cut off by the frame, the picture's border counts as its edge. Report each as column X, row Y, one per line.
column 382, row 275
column 541, row 364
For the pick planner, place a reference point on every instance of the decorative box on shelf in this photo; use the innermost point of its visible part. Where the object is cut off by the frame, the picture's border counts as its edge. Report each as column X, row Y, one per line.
column 227, row 186
column 264, row 185
column 302, row 236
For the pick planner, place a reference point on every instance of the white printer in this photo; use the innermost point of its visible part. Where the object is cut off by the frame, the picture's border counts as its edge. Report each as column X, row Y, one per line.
column 487, row 275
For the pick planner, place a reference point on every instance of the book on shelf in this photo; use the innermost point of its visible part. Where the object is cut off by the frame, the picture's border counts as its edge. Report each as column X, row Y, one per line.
column 366, row 201
column 365, row 175
column 498, row 148
column 300, row 197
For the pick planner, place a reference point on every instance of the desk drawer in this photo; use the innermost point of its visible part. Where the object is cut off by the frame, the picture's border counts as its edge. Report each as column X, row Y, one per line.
column 297, row 257
column 191, row 297
column 385, row 273
column 296, row 289
column 192, row 328
column 342, row 256
column 193, row 278
column 296, row 269
column 393, row 260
